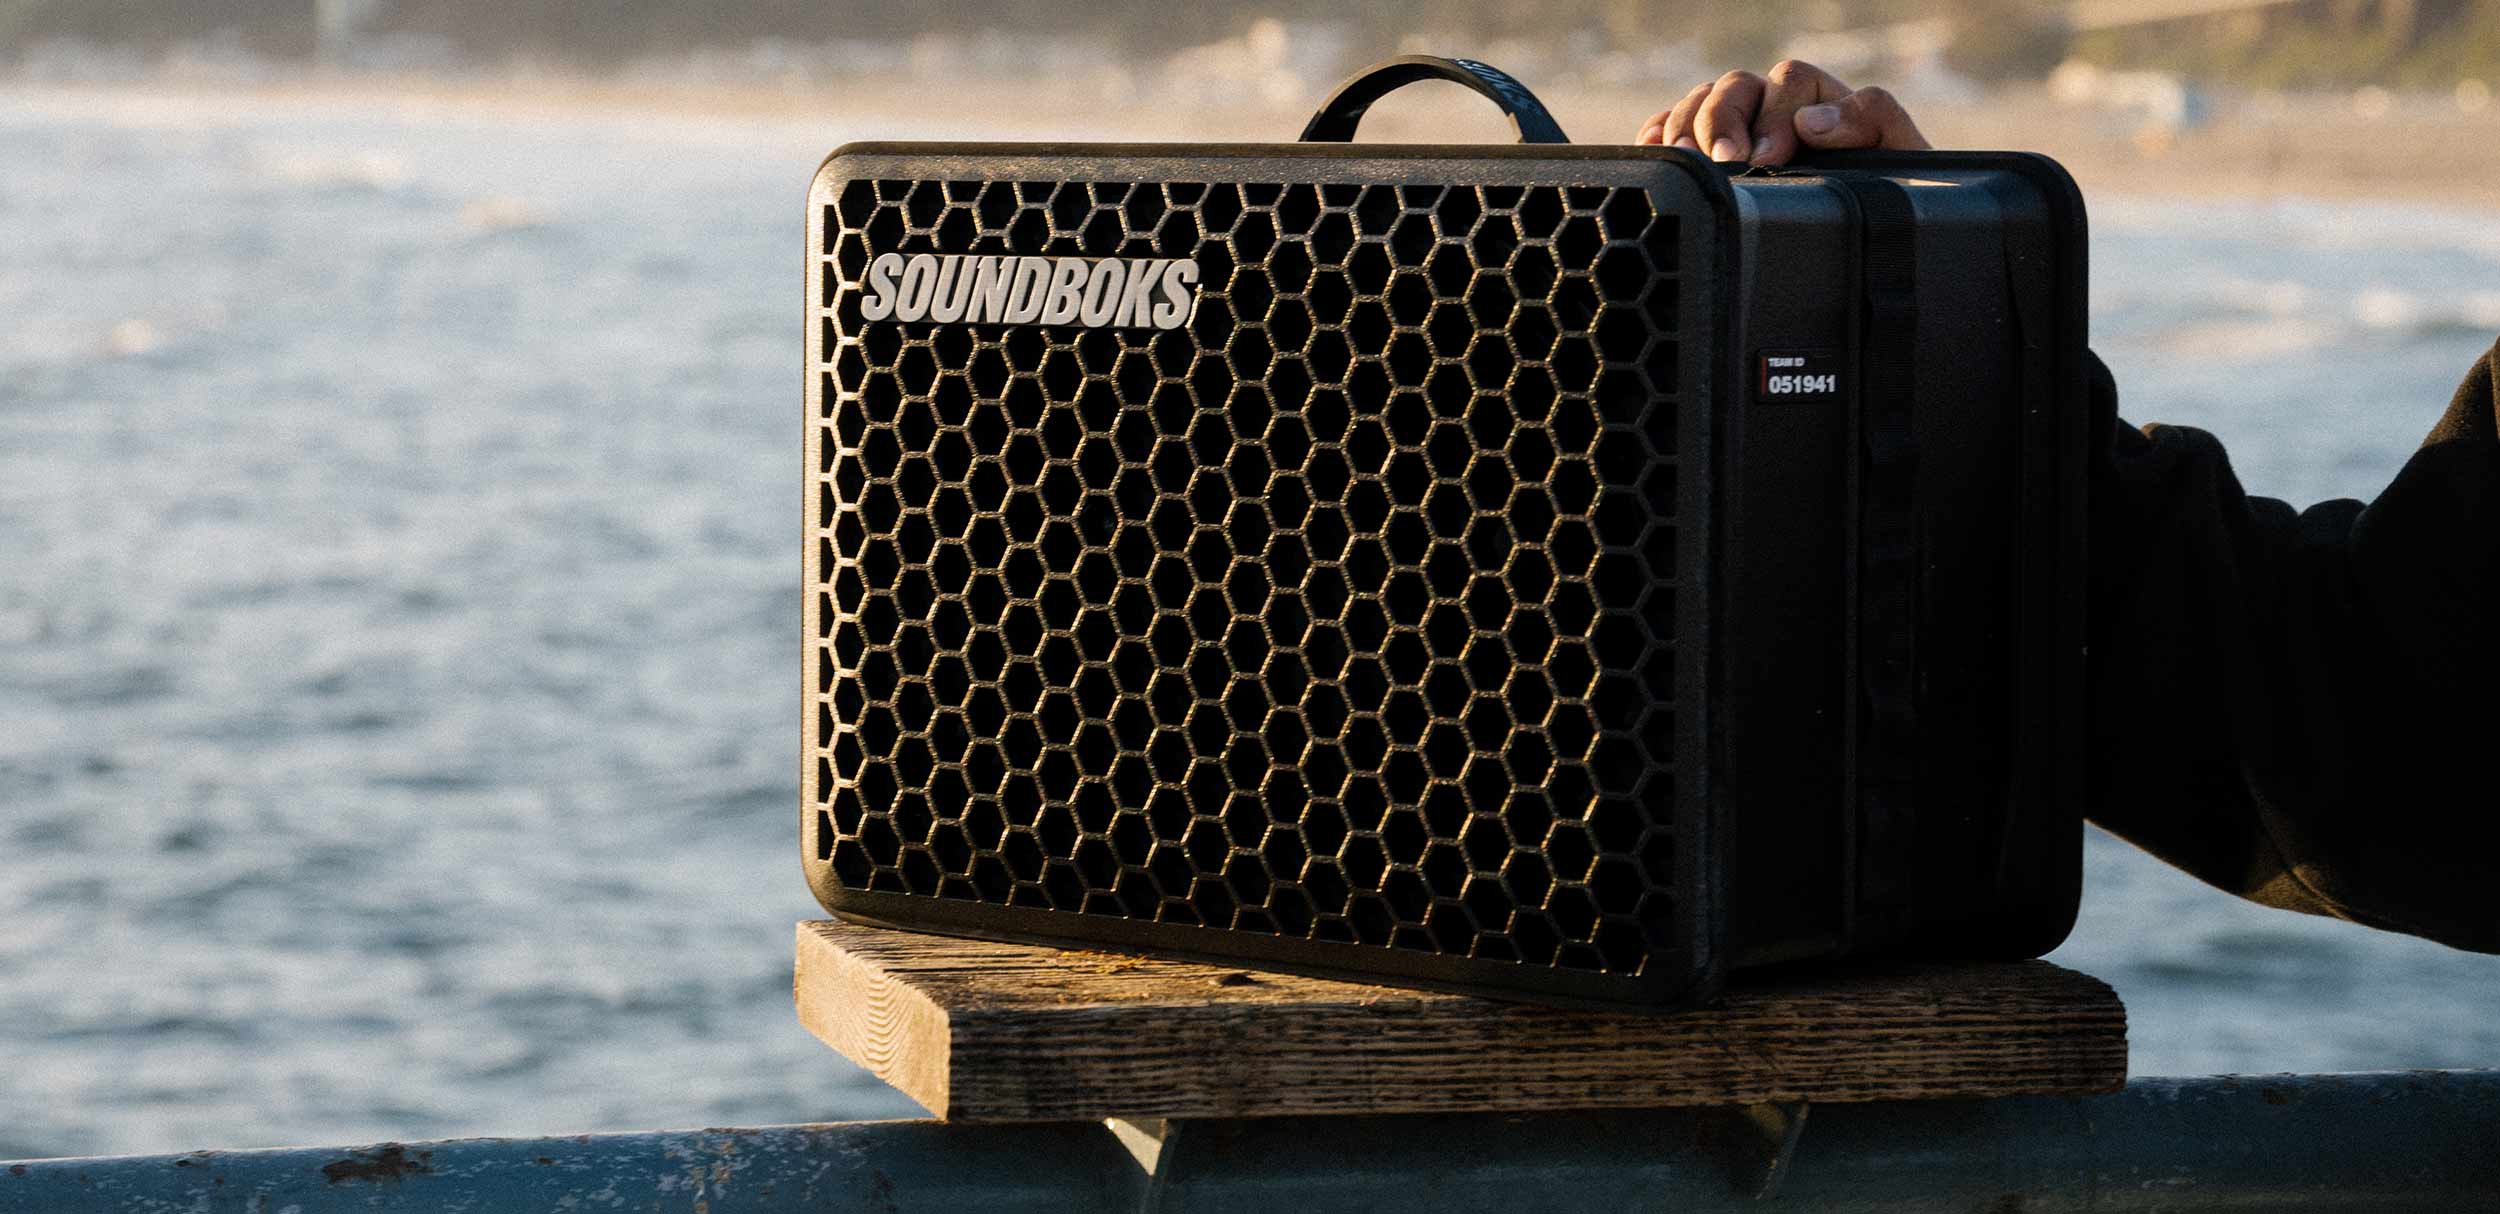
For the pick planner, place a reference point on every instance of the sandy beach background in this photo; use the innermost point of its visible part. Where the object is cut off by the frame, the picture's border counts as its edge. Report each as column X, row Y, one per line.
column 2423, row 145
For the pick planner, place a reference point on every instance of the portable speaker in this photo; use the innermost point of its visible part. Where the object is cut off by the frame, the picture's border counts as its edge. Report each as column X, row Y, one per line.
column 1550, row 572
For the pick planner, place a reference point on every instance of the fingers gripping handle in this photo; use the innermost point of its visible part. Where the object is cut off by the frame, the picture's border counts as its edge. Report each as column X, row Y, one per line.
column 1338, row 116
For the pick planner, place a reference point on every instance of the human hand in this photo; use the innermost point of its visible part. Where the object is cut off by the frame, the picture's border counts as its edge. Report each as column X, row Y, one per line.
column 1765, row 119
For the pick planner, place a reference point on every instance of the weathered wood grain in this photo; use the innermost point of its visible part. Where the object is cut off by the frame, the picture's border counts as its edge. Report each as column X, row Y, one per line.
column 979, row 1031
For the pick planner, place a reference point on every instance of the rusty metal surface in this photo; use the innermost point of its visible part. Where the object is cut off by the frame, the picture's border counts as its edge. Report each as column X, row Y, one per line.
column 2426, row 1140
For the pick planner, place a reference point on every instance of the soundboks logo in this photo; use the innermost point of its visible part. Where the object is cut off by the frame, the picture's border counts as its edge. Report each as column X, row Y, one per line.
column 1107, row 292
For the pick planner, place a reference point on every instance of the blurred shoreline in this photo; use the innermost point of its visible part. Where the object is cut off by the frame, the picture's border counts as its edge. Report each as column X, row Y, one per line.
column 2372, row 144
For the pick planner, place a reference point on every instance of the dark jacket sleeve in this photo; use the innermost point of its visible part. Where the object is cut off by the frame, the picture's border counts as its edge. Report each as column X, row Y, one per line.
column 2303, row 707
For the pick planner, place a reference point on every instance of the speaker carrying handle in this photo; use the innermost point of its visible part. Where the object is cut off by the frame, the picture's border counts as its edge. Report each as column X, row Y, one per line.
column 1337, row 116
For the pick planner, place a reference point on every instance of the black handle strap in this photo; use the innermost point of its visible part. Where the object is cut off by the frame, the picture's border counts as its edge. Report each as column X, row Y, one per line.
column 1888, row 575
column 1338, row 116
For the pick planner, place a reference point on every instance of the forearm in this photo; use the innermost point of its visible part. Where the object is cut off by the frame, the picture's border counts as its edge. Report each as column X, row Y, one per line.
column 2292, row 705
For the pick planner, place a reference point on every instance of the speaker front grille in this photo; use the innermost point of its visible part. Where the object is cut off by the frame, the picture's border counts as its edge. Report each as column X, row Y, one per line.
column 1345, row 613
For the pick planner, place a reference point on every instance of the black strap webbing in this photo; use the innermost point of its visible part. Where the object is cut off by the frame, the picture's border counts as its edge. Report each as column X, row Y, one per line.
column 1888, row 578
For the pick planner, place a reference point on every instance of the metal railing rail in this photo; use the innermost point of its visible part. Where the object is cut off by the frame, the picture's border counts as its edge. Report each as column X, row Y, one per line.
column 2424, row 1140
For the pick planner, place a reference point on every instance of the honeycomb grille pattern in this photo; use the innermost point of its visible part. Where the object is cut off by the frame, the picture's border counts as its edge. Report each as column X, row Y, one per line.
column 1344, row 613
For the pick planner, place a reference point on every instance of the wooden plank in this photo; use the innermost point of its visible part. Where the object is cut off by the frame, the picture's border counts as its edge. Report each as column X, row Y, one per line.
column 980, row 1031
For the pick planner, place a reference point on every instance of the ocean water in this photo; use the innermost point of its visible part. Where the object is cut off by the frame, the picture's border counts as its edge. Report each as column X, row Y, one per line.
column 397, row 604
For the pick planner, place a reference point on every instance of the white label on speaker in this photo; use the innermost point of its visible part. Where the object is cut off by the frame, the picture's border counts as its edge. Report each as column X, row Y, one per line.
column 1797, row 375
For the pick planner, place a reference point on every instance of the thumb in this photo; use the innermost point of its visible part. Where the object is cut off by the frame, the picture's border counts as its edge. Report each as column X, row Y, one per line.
column 1867, row 118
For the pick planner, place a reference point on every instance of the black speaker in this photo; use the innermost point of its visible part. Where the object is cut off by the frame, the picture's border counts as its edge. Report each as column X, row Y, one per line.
column 1551, row 572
